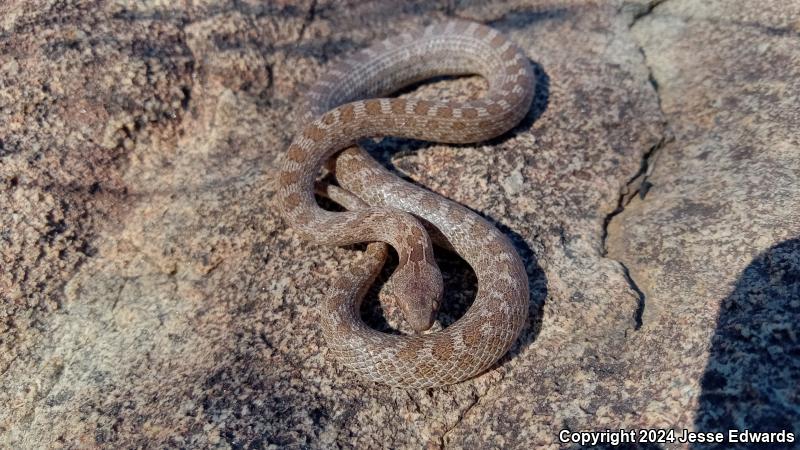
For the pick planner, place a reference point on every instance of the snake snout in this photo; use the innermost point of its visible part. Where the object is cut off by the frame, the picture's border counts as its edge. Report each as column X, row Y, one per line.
column 420, row 319
column 418, row 293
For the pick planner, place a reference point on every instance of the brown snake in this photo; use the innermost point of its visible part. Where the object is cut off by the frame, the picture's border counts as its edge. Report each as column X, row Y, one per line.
column 344, row 107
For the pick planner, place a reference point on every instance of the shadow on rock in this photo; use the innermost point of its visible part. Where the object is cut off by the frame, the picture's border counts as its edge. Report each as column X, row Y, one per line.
column 752, row 380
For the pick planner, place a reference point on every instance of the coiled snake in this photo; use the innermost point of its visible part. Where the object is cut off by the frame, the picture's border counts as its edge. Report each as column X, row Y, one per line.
column 344, row 107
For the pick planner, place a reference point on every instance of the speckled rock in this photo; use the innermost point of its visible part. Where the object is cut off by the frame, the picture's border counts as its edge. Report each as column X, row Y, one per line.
column 152, row 297
column 713, row 244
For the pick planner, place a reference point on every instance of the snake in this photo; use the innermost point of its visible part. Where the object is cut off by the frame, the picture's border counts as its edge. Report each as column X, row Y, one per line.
column 351, row 102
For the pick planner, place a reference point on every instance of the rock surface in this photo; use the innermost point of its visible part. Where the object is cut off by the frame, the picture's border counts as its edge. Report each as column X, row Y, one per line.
column 151, row 296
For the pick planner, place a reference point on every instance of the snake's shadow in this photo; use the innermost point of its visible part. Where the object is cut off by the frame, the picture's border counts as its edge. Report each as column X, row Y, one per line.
column 460, row 283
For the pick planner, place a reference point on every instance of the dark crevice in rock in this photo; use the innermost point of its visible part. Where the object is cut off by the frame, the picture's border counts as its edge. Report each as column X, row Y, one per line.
column 646, row 10
column 637, row 317
column 653, row 82
column 472, row 404
column 187, row 97
column 638, row 184
column 308, row 19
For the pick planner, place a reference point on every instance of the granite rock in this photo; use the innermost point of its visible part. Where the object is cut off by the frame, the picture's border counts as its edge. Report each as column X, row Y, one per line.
column 152, row 297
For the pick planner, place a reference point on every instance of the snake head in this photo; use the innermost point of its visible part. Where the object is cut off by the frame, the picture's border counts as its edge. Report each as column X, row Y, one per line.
column 417, row 289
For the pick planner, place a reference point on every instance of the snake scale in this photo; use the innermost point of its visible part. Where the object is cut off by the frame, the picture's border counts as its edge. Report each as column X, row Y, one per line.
column 347, row 105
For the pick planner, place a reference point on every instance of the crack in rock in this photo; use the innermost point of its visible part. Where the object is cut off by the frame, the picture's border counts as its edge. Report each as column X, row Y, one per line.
column 638, row 184
column 472, row 404
column 648, row 9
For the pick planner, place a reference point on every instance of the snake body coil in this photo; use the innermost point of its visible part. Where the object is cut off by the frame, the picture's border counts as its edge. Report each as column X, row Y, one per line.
column 344, row 107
